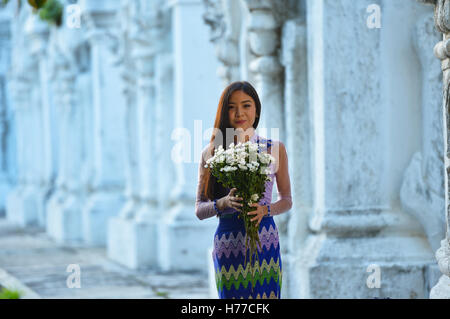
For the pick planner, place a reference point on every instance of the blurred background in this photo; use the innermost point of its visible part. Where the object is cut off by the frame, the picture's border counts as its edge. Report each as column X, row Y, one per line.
column 105, row 106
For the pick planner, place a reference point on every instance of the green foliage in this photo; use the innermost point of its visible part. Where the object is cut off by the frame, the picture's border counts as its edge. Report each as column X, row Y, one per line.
column 52, row 12
column 37, row 4
column 162, row 294
column 9, row 294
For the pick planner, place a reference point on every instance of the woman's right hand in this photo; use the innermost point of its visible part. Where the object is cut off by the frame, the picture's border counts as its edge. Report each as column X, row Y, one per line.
column 231, row 201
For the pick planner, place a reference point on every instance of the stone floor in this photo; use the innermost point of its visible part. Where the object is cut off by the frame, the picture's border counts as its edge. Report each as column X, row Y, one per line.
column 32, row 260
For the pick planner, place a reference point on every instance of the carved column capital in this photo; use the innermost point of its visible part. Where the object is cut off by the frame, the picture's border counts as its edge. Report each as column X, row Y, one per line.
column 102, row 23
column 224, row 19
column 214, row 18
column 441, row 15
column 263, row 32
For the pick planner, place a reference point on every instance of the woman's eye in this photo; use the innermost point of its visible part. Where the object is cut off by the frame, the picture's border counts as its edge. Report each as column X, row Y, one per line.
column 231, row 107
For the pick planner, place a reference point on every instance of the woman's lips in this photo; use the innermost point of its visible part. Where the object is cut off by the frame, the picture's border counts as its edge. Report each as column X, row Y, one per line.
column 240, row 122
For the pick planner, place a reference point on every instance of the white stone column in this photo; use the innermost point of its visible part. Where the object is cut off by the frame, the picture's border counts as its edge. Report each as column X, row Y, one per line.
column 442, row 51
column 298, row 136
column 164, row 83
column 127, row 20
column 106, row 197
column 141, row 228
column 21, row 99
column 263, row 39
column 31, row 197
column 31, row 210
column 146, row 127
column 356, row 226
column 422, row 192
column 225, row 19
column 6, row 127
column 85, row 102
column 137, row 223
column 53, row 221
column 66, row 217
column 39, row 42
column 183, row 239
column 20, row 90
column 164, row 97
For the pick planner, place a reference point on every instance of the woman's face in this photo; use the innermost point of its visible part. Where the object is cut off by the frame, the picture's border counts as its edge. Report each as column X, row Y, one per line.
column 241, row 110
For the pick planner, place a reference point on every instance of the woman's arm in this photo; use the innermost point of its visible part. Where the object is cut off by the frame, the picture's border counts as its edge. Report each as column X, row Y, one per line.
column 284, row 202
column 204, row 207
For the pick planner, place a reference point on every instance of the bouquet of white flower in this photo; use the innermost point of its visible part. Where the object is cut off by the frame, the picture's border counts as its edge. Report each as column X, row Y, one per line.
column 245, row 168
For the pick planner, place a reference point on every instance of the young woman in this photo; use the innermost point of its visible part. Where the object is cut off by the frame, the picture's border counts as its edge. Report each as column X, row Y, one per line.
column 239, row 110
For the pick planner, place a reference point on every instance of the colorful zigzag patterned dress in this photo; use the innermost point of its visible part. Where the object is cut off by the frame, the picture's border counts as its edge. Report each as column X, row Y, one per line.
column 234, row 278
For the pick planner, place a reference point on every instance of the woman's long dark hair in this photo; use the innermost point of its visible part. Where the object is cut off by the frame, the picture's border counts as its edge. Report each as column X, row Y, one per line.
column 212, row 188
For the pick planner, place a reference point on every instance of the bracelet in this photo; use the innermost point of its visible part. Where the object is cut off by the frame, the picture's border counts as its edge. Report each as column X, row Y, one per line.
column 215, row 208
column 268, row 209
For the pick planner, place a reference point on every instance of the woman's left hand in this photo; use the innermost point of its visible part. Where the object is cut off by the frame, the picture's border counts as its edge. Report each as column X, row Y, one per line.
column 260, row 212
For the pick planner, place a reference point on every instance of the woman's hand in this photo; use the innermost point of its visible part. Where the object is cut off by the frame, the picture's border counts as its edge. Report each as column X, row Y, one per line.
column 260, row 212
column 231, row 201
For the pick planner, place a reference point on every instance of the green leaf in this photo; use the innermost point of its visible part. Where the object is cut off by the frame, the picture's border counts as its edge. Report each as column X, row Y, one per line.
column 37, row 4
column 52, row 12
column 9, row 294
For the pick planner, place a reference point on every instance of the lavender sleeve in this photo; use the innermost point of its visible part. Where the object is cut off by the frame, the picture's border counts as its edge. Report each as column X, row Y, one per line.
column 283, row 204
column 204, row 207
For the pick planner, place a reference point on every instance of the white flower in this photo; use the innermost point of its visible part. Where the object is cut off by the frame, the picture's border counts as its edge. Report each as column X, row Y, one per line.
column 263, row 159
column 272, row 159
column 255, row 197
column 242, row 167
column 253, row 147
column 264, row 170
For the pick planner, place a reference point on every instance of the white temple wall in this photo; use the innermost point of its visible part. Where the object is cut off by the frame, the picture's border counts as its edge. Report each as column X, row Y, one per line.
column 359, row 109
